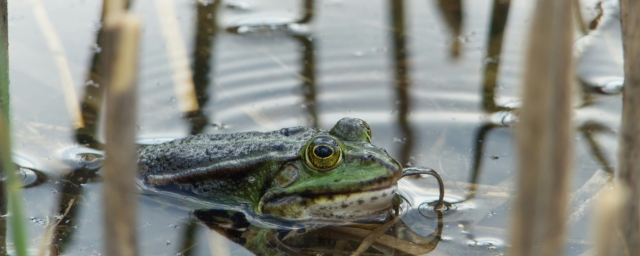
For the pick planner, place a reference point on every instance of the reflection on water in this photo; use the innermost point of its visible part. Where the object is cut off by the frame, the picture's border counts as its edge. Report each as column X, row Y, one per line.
column 391, row 236
column 70, row 202
column 206, row 30
column 308, row 78
column 499, row 15
column 188, row 238
column 402, row 79
column 451, row 11
column 412, row 69
column 92, row 102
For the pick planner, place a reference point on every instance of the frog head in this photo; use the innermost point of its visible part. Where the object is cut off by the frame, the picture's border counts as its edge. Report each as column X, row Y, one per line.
column 340, row 175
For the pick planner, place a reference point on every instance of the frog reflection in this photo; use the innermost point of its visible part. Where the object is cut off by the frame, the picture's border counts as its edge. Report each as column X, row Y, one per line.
column 391, row 236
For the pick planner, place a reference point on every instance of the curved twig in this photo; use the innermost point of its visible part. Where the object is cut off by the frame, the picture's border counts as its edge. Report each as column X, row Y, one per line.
column 423, row 170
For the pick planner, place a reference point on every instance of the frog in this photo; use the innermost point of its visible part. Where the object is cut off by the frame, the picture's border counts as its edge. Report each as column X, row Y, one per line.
column 293, row 174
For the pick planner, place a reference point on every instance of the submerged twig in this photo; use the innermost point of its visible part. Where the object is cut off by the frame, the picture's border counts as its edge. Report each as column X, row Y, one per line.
column 423, row 170
column 371, row 238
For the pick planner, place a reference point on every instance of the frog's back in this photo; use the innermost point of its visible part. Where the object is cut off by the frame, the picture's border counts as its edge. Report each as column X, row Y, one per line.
column 220, row 154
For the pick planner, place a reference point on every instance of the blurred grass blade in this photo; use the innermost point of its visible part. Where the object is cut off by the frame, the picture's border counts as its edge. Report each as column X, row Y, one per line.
column 13, row 186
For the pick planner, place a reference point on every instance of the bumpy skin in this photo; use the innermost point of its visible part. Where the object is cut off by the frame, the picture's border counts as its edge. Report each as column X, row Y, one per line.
column 269, row 172
column 220, row 154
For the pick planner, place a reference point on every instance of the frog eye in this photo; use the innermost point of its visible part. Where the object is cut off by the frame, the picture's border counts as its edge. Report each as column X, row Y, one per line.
column 323, row 153
column 352, row 129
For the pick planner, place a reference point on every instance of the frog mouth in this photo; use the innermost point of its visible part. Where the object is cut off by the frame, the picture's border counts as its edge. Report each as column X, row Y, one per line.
column 330, row 206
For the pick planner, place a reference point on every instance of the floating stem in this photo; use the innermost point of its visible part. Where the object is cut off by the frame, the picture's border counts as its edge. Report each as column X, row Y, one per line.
column 423, row 170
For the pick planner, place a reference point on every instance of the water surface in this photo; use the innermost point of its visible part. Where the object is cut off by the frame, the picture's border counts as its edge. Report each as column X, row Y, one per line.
column 436, row 80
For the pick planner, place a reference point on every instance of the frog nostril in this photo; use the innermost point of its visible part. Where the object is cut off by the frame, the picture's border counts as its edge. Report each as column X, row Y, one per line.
column 368, row 158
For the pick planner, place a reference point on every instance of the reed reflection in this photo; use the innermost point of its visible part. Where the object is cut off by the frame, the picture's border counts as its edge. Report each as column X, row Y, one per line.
column 588, row 130
column 93, row 99
column 307, row 60
column 189, row 239
column 499, row 17
column 308, row 89
column 206, row 31
column 308, row 10
column 69, row 205
column 452, row 13
column 402, row 79
column 478, row 154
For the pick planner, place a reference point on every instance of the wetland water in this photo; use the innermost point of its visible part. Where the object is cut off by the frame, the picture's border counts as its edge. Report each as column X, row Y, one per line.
column 436, row 80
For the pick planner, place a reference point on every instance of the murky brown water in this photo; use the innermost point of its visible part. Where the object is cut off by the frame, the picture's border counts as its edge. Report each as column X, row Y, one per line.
column 436, row 80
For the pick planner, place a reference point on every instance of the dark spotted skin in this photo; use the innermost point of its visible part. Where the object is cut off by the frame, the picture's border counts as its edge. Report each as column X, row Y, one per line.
column 219, row 155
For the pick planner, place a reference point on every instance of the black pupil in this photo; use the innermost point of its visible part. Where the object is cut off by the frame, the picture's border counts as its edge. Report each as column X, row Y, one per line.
column 323, row 151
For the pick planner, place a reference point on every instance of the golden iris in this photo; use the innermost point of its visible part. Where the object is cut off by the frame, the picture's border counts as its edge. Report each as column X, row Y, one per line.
column 323, row 153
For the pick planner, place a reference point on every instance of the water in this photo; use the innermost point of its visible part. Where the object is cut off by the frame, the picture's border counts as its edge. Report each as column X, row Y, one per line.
column 436, row 81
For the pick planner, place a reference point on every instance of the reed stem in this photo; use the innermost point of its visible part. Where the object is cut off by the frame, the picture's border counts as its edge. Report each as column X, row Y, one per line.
column 629, row 173
column 607, row 238
column 544, row 134
column 120, row 55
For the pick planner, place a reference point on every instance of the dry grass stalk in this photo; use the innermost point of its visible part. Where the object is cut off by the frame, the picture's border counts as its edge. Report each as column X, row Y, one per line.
column 114, row 7
column 544, row 134
column 45, row 245
column 177, row 53
column 605, row 236
column 629, row 173
column 371, row 238
column 383, row 242
column 120, row 52
column 60, row 59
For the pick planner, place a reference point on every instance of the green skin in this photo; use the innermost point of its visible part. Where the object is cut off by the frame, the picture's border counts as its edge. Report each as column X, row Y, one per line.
column 277, row 174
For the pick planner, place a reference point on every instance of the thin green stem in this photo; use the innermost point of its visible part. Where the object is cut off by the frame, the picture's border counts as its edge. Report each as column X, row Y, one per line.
column 13, row 185
column 14, row 188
